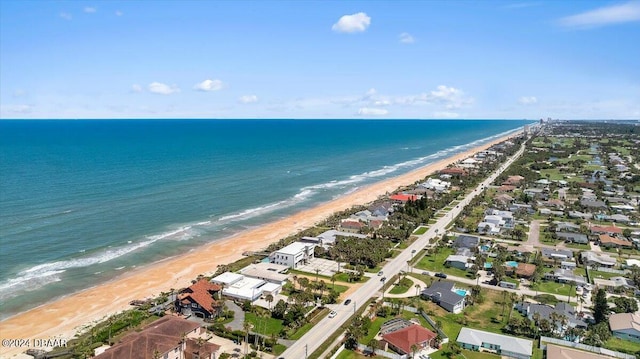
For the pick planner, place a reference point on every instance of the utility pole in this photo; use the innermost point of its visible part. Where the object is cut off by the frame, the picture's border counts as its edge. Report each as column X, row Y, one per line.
column 305, row 351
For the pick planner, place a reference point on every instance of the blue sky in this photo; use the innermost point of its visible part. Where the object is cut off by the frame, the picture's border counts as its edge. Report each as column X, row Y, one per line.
column 320, row 59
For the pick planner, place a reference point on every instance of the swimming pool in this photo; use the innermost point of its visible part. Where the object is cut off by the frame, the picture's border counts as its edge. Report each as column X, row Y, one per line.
column 462, row 292
column 511, row 263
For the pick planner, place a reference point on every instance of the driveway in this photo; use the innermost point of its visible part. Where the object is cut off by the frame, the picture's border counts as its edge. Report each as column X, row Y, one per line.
column 410, row 293
column 238, row 315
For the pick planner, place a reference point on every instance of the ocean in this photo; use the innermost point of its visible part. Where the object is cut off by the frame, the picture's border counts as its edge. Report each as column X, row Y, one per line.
column 83, row 201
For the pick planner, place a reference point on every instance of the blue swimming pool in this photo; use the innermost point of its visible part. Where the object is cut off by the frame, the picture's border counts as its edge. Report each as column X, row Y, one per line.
column 462, row 292
column 511, row 263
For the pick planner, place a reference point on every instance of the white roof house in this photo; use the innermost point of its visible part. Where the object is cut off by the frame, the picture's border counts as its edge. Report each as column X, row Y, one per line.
column 492, row 228
column 504, row 345
column 270, row 272
column 244, row 288
column 597, row 258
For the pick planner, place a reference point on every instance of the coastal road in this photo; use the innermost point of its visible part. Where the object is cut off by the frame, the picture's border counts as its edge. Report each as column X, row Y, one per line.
column 321, row 331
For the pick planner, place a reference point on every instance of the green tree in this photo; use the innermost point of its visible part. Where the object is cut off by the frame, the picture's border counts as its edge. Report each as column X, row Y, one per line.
column 279, row 309
column 600, row 307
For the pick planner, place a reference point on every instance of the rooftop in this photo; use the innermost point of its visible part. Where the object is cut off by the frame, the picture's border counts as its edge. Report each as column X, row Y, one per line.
column 506, row 343
column 404, row 338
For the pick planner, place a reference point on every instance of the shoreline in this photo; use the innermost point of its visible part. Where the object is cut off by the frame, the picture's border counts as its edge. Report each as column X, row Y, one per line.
column 65, row 316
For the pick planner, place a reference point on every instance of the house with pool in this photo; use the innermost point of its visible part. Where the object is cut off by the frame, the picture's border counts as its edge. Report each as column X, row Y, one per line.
column 446, row 295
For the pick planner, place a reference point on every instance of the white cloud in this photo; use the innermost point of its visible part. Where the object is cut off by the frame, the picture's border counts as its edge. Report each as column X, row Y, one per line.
column 450, row 97
column 16, row 109
column 162, row 89
column 406, row 38
column 381, row 103
column 136, row 88
column 90, row 10
column 367, row 111
column 528, row 100
column 119, row 13
column 248, row 99
column 66, row 16
column 446, row 114
column 209, row 85
column 603, row 16
column 352, row 23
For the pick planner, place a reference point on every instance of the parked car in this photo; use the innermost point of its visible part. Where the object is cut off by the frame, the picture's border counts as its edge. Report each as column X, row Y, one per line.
column 346, row 302
column 383, row 279
column 425, row 273
column 380, row 273
column 441, row 275
column 333, row 314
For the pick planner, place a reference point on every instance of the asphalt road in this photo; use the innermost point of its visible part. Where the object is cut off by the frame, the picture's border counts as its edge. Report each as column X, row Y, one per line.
column 321, row 331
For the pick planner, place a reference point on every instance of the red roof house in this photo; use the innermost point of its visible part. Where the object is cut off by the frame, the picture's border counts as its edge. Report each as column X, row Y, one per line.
column 402, row 340
column 608, row 241
column 610, row 230
column 454, row 171
column 198, row 299
column 168, row 336
column 401, row 197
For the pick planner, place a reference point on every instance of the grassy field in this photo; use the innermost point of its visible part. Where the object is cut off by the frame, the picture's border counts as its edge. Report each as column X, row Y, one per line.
column 553, row 287
column 402, row 287
column 420, row 230
column 350, row 354
column 602, row 275
column 580, row 246
column 626, row 346
column 264, row 325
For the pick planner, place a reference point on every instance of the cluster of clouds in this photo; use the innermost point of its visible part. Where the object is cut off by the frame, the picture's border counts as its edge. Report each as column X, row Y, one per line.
column 360, row 22
column 87, row 10
column 207, row 85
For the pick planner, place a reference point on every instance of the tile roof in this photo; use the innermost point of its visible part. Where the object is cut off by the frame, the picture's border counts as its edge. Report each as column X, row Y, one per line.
column 162, row 335
column 558, row 352
column 525, row 269
column 607, row 239
column 609, row 229
column 404, row 338
column 403, row 197
column 201, row 292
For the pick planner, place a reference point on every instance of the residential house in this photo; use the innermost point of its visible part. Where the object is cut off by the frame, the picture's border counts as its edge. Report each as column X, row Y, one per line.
column 560, row 352
column 521, row 208
column 565, row 276
column 403, row 340
column 573, row 237
column 436, row 185
column 610, row 230
column 593, row 205
column 597, row 259
column 488, row 228
column 544, row 311
column 270, row 272
column 328, row 238
column 199, row 300
column 503, row 345
column 454, row 171
column 503, row 199
column 402, row 198
column 293, row 255
column 465, row 241
column 446, row 295
column 569, row 265
column 459, row 261
column 614, row 282
column 513, row 180
column 242, row 287
column 612, row 242
column 556, row 254
column 619, row 218
column 625, row 326
column 578, row 214
column 525, row 270
column 567, row 227
column 351, row 225
column 169, row 337
column 506, row 188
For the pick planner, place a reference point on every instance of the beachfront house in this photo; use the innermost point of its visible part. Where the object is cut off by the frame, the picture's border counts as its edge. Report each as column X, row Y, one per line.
column 503, row 345
column 404, row 339
column 446, row 295
column 168, row 337
column 293, row 255
column 242, row 287
column 200, row 300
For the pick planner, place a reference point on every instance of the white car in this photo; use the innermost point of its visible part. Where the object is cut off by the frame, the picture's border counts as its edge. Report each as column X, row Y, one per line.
column 333, row 314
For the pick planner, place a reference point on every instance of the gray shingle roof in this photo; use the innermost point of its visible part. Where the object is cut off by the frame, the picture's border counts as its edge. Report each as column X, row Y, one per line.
column 506, row 343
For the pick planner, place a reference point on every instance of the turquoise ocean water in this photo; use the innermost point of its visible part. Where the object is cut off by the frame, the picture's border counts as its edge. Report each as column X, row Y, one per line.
column 84, row 201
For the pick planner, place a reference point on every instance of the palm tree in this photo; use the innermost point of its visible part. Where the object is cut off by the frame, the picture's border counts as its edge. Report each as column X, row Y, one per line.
column 317, row 272
column 269, row 299
column 333, row 280
column 295, row 279
column 414, row 349
column 417, row 289
column 513, row 296
column 246, row 326
column 477, row 278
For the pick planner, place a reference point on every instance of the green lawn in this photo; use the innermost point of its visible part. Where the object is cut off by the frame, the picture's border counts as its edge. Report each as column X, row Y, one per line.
column 420, row 230
column 465, row 354
column 580, row 246
column 435, row 263
column 264, row 325
column 344, row 277
column 552, row 287
column 402, row 287
column 350, row 354
column 621, row 345
column 602, row 275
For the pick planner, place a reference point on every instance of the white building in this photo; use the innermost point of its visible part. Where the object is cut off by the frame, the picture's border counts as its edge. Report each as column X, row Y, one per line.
column 238, row 286
column 293, row 254
column 436, row 185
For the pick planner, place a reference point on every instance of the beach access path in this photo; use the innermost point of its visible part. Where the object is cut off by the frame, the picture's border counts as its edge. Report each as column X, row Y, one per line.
column 63, row 317
column 325, row 328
